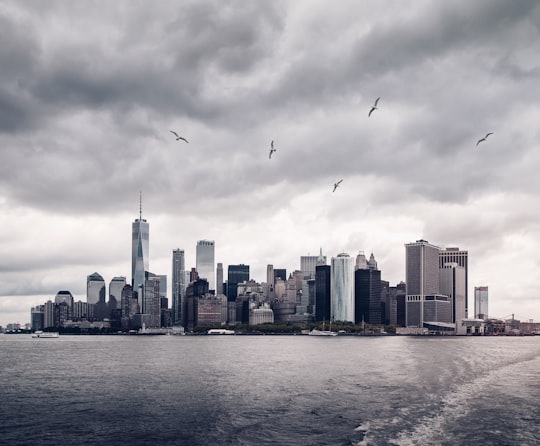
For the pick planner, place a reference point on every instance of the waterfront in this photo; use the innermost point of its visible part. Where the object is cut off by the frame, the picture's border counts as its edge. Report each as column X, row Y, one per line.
column 283, row 390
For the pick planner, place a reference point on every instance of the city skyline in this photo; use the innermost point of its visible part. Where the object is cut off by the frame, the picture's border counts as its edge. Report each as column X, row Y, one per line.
column 87, row 119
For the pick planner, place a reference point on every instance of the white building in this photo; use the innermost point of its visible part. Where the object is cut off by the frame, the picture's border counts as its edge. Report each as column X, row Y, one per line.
column 95, row 289
column 342, row 288
column 261, row 315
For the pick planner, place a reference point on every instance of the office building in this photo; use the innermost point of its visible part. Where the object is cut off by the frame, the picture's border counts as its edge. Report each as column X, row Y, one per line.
column 205, row 262
column 342, row 288
column 178, row 284
column 309, row 263
column 452, row 284
column 236, row 274
column 461, row 257
column 95, row 289
column 37, row 317
column 280, row 273
column 116, row 286
column 140, row 235
column 367, row 286
column 219, row 279
column 209, row 310
column 481, row 302
column 422, row 278
column 151, row 304
column 196, row 289
column 322, row 293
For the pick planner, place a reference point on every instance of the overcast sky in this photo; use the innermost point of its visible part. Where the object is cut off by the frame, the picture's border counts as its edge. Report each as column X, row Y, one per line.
column 89, row 92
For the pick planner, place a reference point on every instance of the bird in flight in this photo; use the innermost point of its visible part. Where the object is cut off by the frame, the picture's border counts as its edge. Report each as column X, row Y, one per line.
column 336, row 185
column 374, row 106
column 272, row 150
column 178, row 136
column 484, row 138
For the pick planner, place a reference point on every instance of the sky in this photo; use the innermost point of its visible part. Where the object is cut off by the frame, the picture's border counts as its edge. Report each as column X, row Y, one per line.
column 90, row 91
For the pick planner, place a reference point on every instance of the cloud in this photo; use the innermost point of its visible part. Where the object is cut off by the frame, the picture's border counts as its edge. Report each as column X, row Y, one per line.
column 88, row 96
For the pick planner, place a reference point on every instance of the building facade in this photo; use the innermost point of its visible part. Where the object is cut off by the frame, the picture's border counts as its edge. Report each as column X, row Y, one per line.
column 179, row 285
column 422, row 278
column 140, row 236
column 452, row 279
column 342, row 288
column 367, row 293
column 481, row 300
column 116, row 286
column 461, row 258
column 205, row 262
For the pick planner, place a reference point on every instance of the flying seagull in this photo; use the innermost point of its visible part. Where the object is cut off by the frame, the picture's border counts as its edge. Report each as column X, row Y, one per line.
column 178, row 136
column 337, row 184
column 374, row 106
column 484, row 138
column 272, row 150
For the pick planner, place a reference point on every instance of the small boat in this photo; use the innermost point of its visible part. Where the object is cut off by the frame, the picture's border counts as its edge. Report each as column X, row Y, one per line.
column 323, row 332
column 45, row 334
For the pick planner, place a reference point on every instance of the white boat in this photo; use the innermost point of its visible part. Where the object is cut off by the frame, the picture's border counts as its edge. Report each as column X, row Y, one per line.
column 323, row 332
column 220, row 331
column 45, row 334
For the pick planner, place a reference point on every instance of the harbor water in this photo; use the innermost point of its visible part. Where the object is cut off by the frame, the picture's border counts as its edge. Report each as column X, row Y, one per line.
column 269, row 390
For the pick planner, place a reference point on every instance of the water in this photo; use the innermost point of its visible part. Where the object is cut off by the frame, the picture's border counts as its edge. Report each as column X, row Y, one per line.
column 269, row 390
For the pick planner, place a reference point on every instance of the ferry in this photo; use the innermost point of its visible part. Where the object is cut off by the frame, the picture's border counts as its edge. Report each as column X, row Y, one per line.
column 220, row 331
column 45, row 334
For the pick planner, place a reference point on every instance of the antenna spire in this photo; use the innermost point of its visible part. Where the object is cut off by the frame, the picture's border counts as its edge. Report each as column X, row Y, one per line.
column 140, row 205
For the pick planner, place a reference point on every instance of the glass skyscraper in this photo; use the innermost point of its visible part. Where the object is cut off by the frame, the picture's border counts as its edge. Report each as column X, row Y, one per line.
column 481, row 302
column 115, row 291
column 95, row 289
column 342, row 288
column 178, row 284
column 205, row 262
column 139, row 252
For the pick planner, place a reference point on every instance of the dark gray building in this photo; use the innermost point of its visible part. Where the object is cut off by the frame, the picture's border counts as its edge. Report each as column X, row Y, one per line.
column 236, row 274
column 322, row 292
column 367, row 295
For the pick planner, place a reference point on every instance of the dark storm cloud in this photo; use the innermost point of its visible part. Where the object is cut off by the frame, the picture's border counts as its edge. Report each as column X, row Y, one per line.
column 443, row 29
column 18, row 59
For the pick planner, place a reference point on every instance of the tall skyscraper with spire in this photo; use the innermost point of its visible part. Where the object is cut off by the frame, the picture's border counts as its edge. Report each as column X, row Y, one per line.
column 139, row 250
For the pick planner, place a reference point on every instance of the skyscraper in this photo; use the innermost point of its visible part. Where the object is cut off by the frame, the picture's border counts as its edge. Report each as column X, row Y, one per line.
column 452, row 284
column 178, row 284
column 154, row 288
column 205, row 262
column 95, row 289
column 308, row 264
column 219, row 279
column 367, row 291
column 342, row 288
column 322, row 293
column 461, row 257
column 236, row 274
column 481, row 302
column 422, row 278
column 139, row 251
column 115, row 291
